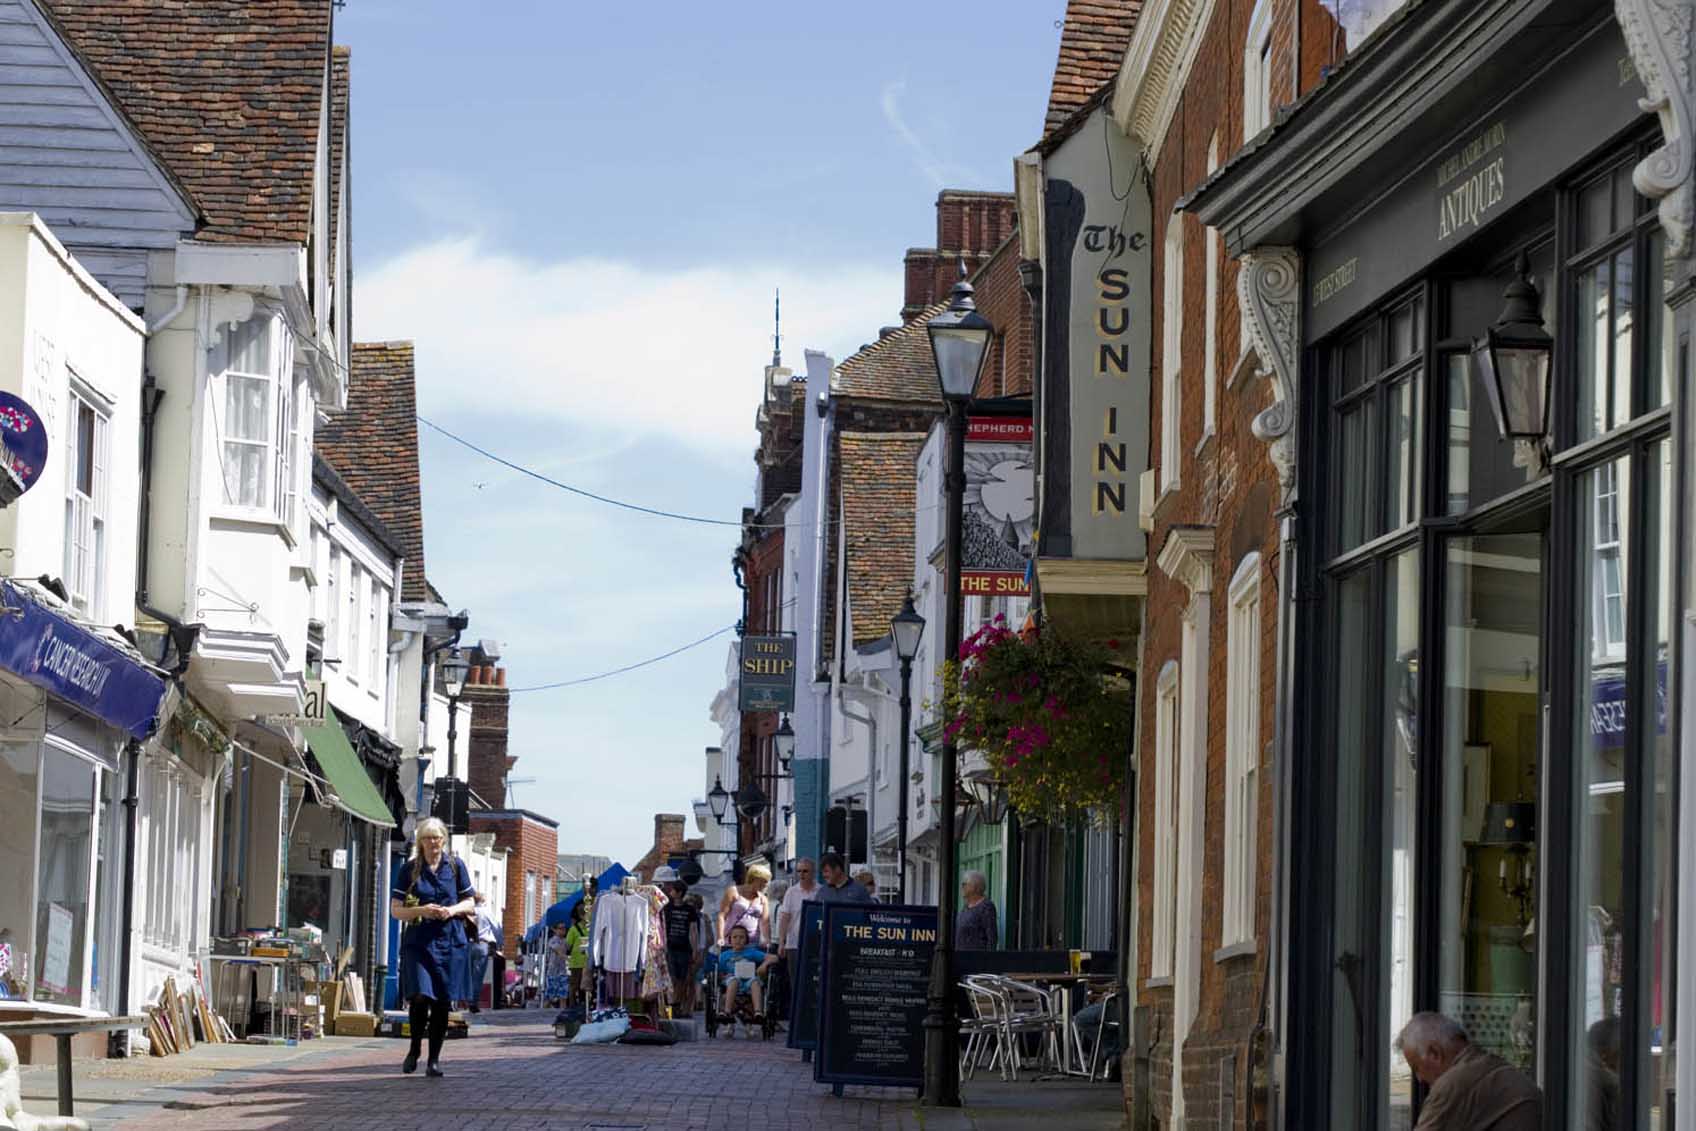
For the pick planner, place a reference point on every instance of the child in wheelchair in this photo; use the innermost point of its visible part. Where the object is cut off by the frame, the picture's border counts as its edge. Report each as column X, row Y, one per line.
column 742, row 971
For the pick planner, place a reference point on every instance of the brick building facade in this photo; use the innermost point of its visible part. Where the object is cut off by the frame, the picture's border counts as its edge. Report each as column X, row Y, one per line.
column 532, row 844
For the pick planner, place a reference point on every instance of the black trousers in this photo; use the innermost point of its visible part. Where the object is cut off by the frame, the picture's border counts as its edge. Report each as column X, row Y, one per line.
column 498, row 960
column 429, row 1016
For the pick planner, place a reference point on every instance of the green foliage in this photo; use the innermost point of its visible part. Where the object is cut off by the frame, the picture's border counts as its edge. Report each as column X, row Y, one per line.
column 1040, row 708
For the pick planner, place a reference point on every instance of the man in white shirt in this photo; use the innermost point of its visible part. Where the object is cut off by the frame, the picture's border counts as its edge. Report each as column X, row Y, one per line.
column 789, row 911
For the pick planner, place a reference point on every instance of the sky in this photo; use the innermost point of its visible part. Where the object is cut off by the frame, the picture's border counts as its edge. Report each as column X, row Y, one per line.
column 579, row 213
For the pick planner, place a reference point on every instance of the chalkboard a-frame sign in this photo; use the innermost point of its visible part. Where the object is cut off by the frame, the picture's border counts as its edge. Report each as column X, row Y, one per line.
column 873, row 987
column 804, row 1006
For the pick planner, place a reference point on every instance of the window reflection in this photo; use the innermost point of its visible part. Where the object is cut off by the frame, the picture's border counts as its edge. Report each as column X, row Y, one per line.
column 1354, row 20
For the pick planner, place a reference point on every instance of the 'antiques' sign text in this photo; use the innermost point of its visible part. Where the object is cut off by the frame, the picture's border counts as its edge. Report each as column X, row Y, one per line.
column 1470, row 184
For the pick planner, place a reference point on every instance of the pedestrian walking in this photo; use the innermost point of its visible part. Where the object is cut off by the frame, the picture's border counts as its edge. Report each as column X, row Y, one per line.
column 746, row 904
column 838, row 888
column 1471, row 1090
column 803, row 890
column 577, row 950
column 867, row 879
column 431, row 894
column 488, row 936
column 976, row 927
column 556, row 978
column 682, row 937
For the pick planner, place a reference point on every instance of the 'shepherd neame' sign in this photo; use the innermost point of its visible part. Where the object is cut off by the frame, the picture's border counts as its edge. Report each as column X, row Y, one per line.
column 767, row 682
column 873, row 988
column 1000, row 506
column 1098, row 280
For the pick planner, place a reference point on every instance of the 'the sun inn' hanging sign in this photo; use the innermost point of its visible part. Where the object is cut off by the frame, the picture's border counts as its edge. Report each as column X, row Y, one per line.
column 1098, row 272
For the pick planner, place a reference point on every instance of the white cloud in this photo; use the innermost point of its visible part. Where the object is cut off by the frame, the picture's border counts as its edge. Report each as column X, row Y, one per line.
column 607, row 346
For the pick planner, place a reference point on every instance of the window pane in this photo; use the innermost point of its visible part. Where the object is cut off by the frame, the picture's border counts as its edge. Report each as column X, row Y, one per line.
column 1592, row 349
column 1351, row 1097
column 1595, row 211
column 1481, row 463
column 1662, row 359
column 17, row 842
column 1393, row 842
column 250, row 345
column 1401, row 498
column 1491, row 732
column 1355, row 478
column 62, row 891
column 85, row 447
column 1654, row 1059
column 1624, row 280
column 249, row 400
column 1599, row 912
column 244, row 474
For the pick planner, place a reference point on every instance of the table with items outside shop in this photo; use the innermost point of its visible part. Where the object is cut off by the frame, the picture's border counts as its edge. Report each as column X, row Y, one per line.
column 287, row 998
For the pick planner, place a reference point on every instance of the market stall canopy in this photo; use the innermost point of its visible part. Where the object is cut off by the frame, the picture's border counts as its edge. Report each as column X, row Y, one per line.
column 561, row 911
column 350, row 788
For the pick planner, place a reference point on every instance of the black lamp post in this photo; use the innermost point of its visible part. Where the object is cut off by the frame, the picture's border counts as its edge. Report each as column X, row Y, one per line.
column 959, row 341
column 1512, row 360
column 906, row 628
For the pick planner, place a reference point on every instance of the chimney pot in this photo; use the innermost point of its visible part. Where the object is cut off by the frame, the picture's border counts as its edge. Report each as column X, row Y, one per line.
column 500, row 677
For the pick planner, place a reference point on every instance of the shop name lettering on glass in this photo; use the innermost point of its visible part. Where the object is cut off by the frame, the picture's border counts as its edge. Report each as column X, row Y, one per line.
column 1470, row 184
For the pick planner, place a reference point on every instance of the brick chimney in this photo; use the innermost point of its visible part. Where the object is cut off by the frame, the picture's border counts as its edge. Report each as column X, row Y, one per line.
column 969, row 226
column 487, row 763
column 668, row 842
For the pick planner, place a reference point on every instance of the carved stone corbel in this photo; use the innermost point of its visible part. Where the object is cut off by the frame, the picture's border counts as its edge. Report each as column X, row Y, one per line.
column 1658, row 35
column 1269, row 299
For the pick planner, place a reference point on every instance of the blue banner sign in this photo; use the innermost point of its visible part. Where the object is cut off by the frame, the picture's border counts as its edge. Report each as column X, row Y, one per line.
column 68, row 661
column 1608, row 708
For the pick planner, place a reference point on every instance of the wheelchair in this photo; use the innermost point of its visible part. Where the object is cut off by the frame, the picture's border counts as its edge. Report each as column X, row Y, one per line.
column 744, row 1012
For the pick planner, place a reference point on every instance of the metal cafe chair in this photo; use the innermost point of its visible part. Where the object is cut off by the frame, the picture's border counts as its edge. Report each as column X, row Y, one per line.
column 1029, row 1011
column 982, row 1030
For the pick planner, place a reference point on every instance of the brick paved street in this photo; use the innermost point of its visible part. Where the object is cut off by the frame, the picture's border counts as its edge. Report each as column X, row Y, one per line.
column 512, row 1074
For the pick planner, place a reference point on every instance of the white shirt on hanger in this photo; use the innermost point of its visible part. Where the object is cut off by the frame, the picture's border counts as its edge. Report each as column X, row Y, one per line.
column 619, row 931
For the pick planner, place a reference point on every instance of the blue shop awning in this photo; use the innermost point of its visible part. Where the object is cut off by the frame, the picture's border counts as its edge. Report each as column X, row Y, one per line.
column 71, row 662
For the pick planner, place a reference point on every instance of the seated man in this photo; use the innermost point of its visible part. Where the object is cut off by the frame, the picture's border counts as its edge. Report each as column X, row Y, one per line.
column 756, row 960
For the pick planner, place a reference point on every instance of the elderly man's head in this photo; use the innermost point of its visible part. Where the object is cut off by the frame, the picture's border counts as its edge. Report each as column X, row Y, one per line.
column 1431, row 1043
column 975, row 885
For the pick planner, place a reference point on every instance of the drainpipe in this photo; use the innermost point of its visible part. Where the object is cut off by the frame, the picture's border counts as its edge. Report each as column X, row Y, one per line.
column 120, row 1041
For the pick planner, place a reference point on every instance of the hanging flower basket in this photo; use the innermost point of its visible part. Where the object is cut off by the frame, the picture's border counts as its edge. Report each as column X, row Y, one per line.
column 1044, row 713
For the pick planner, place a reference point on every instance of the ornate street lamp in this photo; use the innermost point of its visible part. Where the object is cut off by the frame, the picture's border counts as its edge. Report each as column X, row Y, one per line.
column 1512, row 360
column 718, row 799
column 454, row 670
column 783, row 744
column 906, row 628
column 987, row 794
column 959, row 341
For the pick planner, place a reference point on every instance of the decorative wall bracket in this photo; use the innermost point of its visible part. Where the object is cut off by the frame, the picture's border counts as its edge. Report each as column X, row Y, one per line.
column 1269, row 297
column 1658, row 33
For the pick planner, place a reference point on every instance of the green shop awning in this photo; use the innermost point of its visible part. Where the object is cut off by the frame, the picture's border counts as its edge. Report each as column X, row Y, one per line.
column 352, row 787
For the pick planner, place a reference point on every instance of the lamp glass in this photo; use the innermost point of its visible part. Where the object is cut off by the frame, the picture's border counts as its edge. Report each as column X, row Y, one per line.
column 454, row 670
column 908, row 628
column 718, row 799
column 1512, row 360
column 783, row 742
column 959, row 348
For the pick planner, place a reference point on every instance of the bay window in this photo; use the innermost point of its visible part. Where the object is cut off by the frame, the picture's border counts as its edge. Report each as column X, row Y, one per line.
column 260, row 428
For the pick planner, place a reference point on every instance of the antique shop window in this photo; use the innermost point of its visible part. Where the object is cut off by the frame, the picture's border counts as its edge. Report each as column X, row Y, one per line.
column 1374, row 380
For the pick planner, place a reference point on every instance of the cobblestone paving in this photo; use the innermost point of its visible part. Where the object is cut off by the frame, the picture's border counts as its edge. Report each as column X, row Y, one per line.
column 512, row 1075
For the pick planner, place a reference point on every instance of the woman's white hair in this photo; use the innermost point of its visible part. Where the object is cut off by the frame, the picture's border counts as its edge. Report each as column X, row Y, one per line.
column 429, row 826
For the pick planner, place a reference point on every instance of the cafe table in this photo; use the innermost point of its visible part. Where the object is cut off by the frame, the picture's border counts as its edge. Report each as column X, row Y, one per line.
column 1062, row 986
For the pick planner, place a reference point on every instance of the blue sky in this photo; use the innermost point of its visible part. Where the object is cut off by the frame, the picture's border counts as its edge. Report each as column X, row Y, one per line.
column 578, row 212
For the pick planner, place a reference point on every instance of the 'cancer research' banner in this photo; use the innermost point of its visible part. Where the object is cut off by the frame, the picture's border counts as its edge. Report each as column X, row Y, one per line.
column 71, row 663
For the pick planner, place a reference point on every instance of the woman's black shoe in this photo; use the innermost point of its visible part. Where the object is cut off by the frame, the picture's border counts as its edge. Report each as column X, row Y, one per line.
column 431, row 1070
column 410, row 1064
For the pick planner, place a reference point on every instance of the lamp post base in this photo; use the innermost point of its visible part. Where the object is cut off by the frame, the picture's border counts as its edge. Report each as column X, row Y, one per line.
column 942, row 1065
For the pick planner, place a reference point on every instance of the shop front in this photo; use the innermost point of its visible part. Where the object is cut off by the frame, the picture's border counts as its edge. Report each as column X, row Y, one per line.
column 1482, row 792
column 72, row 699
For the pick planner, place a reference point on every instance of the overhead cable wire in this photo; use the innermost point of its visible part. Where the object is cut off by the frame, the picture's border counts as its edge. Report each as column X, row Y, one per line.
column 627, row 667
column 639, row 508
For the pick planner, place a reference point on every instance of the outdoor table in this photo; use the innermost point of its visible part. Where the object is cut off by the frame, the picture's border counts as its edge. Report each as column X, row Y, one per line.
column 62, row 1030
column 1064, row 984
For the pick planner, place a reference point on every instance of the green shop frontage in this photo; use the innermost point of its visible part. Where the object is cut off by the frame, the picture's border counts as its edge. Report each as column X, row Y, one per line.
column 1482, row 330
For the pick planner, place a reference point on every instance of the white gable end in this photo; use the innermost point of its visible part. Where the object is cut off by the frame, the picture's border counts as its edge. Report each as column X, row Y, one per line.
column 67, row 155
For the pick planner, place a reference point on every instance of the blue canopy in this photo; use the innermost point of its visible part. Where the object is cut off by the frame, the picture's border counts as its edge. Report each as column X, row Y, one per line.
column 561, row 911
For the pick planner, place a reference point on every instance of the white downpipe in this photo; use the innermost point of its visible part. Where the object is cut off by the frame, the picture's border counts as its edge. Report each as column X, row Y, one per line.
column 170, row 315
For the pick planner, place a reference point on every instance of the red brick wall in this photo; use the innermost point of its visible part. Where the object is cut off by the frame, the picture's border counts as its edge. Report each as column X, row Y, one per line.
column 1002, row 299
column 1228, row 483
column 532, row 846
column 668, row 842
column 969, row 226
column 486, row 763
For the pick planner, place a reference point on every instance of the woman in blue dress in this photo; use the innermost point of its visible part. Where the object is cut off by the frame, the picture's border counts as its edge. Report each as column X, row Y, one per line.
column 430, row 893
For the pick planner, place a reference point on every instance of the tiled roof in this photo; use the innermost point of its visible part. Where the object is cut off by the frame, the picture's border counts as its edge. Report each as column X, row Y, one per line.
column 898, row 367
column 340, row 59
column 374, row 448
column 1092, row 45
column 878, row 491
column 227, row 92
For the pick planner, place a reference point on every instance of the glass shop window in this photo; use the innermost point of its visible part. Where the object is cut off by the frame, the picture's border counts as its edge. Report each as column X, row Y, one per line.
column 1374, row 379
column 1624, row 343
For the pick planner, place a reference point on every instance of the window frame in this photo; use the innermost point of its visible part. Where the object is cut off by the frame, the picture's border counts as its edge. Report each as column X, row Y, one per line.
column 86, row 520
column 1257, row 71
column 1210, row 348
column 1172, row 356
column 1242, row 753
column 1168, row 714
column 279, row 434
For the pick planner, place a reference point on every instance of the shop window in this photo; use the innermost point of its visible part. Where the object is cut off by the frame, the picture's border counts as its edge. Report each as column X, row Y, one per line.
column 87, row 457
column 172, row 812
column 1624, row 341
column 65, row 858
column 1165, row 924
column 1374, row 375
column 1171, row 355
column 18, row 777
column 1242, row 751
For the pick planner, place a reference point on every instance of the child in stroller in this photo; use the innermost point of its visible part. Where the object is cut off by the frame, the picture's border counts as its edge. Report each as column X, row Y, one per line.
column 738, row 986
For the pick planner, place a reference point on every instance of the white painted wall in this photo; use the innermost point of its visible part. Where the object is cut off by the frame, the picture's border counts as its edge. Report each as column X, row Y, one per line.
column 59, row 328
